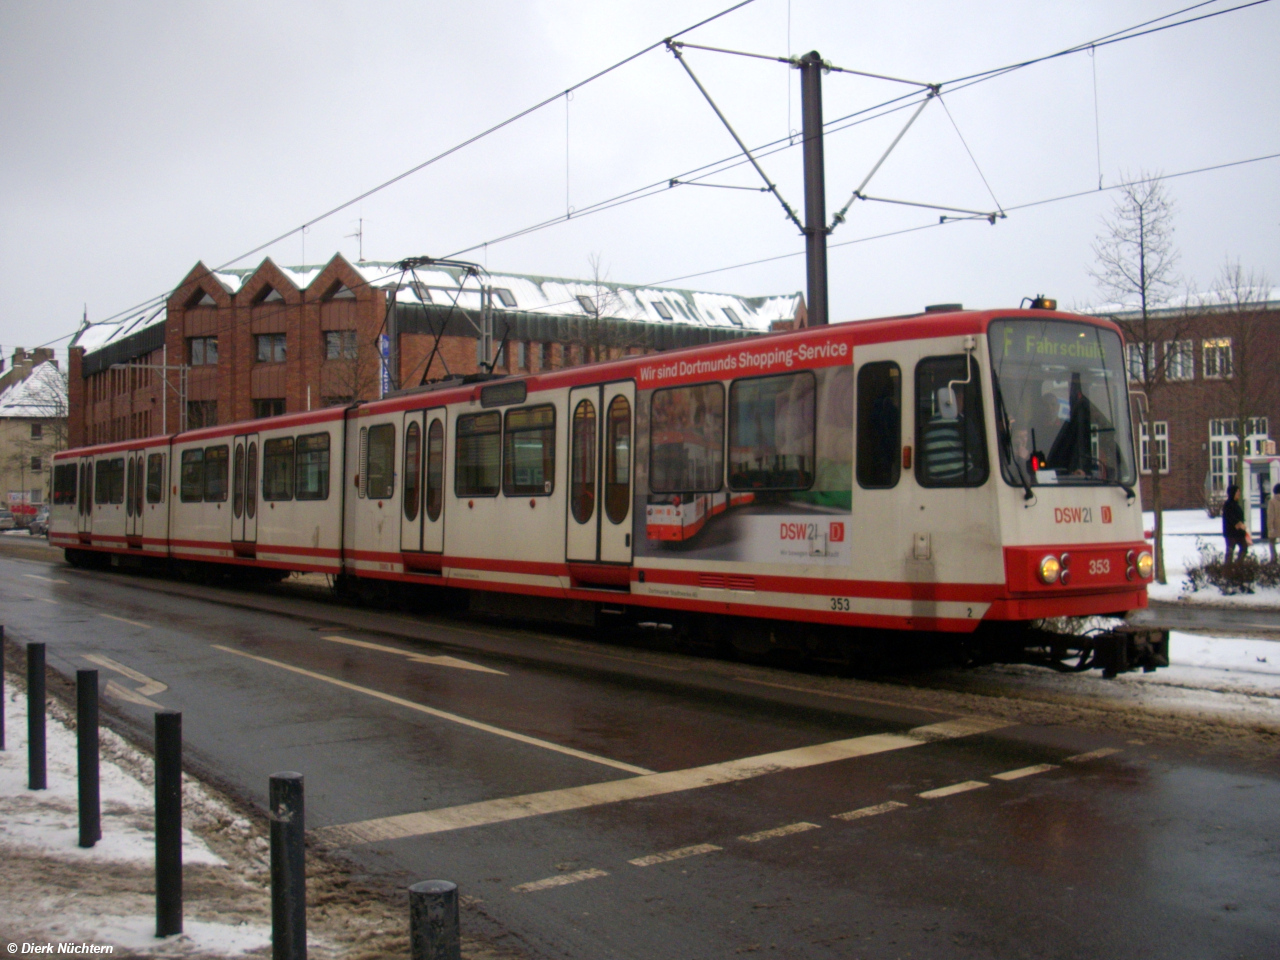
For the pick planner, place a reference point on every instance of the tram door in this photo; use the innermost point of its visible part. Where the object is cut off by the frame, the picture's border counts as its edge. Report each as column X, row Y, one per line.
column 244, row 489
column 601, row 423
column 84, row 505
column 134, row 477
column 422, row 506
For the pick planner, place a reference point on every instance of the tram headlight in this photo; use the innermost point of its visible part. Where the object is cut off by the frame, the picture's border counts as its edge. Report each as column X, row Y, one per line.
column 1050, row 569
column 1146, row 564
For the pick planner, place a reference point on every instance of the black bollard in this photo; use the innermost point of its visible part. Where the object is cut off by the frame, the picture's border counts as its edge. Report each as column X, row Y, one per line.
column 433, row 921
column 36, row 779
column 168, row 823
column 87, row 756
column 4, row 696
column 288, row 868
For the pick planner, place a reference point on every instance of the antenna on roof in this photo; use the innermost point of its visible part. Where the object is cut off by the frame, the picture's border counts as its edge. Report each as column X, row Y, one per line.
column 359, row 235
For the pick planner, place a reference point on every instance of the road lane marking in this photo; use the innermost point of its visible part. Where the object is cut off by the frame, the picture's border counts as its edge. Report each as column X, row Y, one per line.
column 669, row 855
column 506, row 809
column 133, row 623
column 563, row 880
column 32, row 596
column 953, row 789
column 1091, row 755
column 786, row 831
column 843, row 696
column 34, row 576
column 861, row 812
column 139, row 696
column 439, row 661
column 443, row 715
column 1024, row 772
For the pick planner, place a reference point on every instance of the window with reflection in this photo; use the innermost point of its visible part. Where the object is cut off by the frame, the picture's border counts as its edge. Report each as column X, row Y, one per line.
column 772, row 432
column 686, row 439
column 412, row 469
column 879, row 425
column 277, row 469
column 435, row 469
column 477, row 472
column 617, row 460
column 381, row 463
column 311, row 471
column 529, row 451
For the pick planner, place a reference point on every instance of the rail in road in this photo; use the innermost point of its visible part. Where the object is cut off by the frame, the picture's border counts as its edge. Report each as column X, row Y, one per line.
column 606, row 801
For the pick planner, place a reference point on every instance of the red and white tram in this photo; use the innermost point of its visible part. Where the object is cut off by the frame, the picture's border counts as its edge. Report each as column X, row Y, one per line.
column 962, row 473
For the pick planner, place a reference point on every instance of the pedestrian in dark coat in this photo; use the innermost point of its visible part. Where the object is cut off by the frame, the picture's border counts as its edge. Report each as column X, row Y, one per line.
column 1234, row 530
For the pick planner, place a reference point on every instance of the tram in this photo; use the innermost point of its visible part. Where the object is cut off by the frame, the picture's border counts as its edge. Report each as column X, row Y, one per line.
column 967, row 475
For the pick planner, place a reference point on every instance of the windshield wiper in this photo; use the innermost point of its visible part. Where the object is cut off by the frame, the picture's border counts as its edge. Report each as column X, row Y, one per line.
column 1006, row 441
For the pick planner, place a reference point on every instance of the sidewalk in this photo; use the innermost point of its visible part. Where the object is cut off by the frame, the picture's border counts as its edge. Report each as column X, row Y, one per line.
column 1184, row 532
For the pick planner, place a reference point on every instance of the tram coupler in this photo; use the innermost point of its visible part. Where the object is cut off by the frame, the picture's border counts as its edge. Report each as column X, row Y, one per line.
column 1128, row 648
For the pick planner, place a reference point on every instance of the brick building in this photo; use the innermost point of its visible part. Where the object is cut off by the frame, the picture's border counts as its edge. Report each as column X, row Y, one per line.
column 236, row 344
column 1209, row 367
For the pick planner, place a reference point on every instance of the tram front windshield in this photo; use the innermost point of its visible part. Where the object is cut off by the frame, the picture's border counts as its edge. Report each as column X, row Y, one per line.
column 1062, row 410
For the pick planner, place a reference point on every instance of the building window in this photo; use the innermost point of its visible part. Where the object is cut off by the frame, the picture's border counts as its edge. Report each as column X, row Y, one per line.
column 544, row 361
column 1141, row 360
column 340, row 345
column 337, row 401
column 1159, row 433
column 481, row 359
column 270, row 407
column 588, row 305
column 202, row 351
column 1224, row 447
column 505, row 296
column 733, row 317
column 271, row 347
column 1179, row 359
column 37, row 464
column 1216, row 361
column 661, row 310
column 201, row 413
column 522, row 356
column 37, row 431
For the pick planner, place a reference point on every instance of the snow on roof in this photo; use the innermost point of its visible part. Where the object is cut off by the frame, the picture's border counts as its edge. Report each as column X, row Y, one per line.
column 553, row 296
column 1266, row 298
column 558, row 296
column 42, row 394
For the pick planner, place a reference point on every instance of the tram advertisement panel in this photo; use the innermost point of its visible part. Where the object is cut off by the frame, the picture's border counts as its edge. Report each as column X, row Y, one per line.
column 755, row 467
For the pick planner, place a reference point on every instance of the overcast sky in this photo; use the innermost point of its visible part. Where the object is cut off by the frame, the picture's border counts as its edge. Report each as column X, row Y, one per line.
column 139, row 138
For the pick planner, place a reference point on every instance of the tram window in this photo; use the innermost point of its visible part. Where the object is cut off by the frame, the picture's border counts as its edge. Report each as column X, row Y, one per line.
column 155, row 478
column 381, row 462
column 435, row 469
column 237, row 482
column 129, row 487
column 617, row 460
column 529, row 451
column 879, row 424
column 686, row 439
column 952, row 449
column 192, row 482
column 64, row 484
column 412, row 470
column 86, row 489
column 771, row 432
column 582, row 469
column 277, row 469
column 478, row 473
column 313, row 467
column 251, row 480
column 109, row 484
column 215, row 473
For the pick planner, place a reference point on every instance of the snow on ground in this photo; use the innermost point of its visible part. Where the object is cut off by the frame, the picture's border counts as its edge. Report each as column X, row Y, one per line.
column 39, row 836
column 1185, row 532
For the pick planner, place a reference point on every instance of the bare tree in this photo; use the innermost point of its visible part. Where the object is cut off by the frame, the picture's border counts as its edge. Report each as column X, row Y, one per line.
column 1136, row 260
column 1247, row 360
column 604, row 335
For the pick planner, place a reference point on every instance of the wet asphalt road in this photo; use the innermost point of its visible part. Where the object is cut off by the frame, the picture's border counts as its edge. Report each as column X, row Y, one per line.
column 1122, row 855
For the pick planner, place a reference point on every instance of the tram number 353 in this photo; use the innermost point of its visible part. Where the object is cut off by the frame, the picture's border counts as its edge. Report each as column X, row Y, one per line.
column 840, row 603
column 1099, row 567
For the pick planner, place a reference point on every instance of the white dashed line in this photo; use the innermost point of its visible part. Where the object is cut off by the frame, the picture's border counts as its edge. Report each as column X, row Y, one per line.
column 132, row 623
column 669, row 855
column 1091, row 755
column 779, row 832
column 953, row 789
column 563, row 880
column 32, row 576
column 878, row 809
column 1024, row 772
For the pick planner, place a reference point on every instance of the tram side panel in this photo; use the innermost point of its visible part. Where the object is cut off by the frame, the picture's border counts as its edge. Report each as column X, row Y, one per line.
column 292, row 513
column 201, row 509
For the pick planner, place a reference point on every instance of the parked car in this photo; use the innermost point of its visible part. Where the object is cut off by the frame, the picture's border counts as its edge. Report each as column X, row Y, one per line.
column 39, row 525
column 6, row 519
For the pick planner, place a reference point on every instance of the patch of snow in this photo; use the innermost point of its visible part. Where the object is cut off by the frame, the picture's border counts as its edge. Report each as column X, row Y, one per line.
column 1185, row 531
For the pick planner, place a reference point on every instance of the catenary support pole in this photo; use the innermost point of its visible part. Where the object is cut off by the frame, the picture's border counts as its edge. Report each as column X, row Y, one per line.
column 815, row 190
column 36, row 779
column 168, row 823
column 433, row 921
column 288, row 868
column 87, row 756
